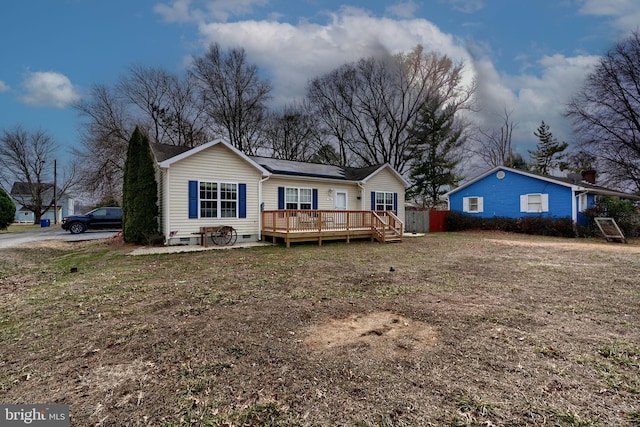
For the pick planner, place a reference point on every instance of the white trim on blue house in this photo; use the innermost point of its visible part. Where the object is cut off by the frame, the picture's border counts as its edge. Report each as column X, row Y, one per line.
column 584, row 188
column 579, row 190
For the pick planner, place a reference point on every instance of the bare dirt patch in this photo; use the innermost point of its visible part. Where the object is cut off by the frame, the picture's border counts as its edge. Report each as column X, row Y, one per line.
column 381, row 335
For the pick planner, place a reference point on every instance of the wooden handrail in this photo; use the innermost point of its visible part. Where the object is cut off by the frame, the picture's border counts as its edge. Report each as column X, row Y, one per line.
column 300, row 224
column 287, row 220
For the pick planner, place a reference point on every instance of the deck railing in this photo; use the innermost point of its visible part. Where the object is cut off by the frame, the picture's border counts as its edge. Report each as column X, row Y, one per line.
column 382, row 224
column 386, row 225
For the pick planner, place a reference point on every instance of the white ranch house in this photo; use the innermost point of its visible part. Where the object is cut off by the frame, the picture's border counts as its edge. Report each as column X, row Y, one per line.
column 215, row 184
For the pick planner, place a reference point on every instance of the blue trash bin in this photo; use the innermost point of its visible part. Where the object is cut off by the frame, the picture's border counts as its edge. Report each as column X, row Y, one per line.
column 45, row 222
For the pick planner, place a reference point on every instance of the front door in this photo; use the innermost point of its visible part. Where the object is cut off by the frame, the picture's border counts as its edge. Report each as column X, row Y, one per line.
column 341, row 200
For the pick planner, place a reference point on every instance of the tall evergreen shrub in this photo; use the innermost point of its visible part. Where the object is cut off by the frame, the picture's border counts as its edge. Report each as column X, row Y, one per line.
column 139, row 192
column 7, row 210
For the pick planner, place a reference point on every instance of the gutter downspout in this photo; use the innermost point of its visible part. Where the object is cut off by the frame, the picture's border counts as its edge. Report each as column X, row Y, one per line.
column 166, row 213
column 362, row 189
column 574, row 206
column 260, row 205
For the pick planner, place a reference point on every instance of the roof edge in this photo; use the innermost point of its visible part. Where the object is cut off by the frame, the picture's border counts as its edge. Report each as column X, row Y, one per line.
column 406, row 183
column 170, row 161
column 554, row 180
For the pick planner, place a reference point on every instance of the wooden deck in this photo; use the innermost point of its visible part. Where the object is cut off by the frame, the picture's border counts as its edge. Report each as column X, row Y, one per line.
column 319, row 225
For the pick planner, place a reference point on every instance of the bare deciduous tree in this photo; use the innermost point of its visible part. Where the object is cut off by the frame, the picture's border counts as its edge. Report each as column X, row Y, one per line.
column 168, row 106
column 606, row 113
column 233, row 95
column 493, row 146
column 28, row 158
column 291, row 134
column 164, row 105
column 369, row 106
column 104, row 142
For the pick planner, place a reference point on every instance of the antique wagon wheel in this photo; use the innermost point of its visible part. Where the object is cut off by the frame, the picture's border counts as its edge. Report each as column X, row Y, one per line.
column 219, row 237
column 233, row 236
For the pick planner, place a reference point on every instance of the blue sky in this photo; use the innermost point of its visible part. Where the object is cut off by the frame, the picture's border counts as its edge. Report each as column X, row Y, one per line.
column 528, row 56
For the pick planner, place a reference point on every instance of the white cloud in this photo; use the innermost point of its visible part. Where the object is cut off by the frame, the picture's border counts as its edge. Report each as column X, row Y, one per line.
column 223, row 9
column 176, row 12
column 4, row 87
column 625, row 13
column 466, row 6
column 404, row 10
column 606, row 7
column 216, row 10
column 530, row 99
column 293, row 54
column 48, row 89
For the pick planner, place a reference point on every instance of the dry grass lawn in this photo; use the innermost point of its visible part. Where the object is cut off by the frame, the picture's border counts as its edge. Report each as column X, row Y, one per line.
column 469, row 329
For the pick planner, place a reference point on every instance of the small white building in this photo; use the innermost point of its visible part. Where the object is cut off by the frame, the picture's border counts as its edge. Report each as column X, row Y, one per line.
column 21, row 194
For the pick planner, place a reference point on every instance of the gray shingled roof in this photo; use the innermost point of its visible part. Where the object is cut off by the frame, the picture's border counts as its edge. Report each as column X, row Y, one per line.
column 594, row 188
column 164, row 152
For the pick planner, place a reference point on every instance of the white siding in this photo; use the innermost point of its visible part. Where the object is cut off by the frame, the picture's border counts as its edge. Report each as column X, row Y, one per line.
column 325, row 200
column 215, row 164
column 385, row 180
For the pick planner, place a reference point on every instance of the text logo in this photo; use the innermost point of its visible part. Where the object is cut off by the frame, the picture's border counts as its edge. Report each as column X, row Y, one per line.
column 34, row 415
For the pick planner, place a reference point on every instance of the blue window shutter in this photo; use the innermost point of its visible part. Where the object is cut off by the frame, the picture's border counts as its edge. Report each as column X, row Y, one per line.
column 373, row 200
column 280, row 197
column 395, row 202
column 314, row 200
column 193, row 199
column 242, row 200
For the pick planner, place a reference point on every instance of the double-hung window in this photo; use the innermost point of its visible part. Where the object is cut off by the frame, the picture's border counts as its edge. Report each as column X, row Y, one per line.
column 218, row 200
column 384, row 201
column 228, row 200
column 534, row 203
column 298, row 198
column 473, row 204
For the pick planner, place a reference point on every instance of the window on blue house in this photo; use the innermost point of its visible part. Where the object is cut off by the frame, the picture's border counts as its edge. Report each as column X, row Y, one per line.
column 473, row 204
column 534, row 203
column 298, row 198
column 218, row 200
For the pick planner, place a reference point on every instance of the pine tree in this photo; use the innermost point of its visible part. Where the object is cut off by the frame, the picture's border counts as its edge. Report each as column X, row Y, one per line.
column 435, row 149
column 7, row 210
column 139, row 192
column 549, row 152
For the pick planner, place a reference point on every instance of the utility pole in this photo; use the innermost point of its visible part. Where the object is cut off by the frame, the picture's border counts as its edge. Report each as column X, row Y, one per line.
column 55, row 189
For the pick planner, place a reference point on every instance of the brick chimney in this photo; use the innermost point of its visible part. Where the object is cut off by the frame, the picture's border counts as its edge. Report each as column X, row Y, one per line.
column 589, row 175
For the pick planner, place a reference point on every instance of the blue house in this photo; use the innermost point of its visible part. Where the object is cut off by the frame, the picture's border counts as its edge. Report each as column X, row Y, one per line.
column 513, row 193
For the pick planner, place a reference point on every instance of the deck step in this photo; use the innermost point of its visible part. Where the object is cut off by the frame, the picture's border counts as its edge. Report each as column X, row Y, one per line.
column 392, row 238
